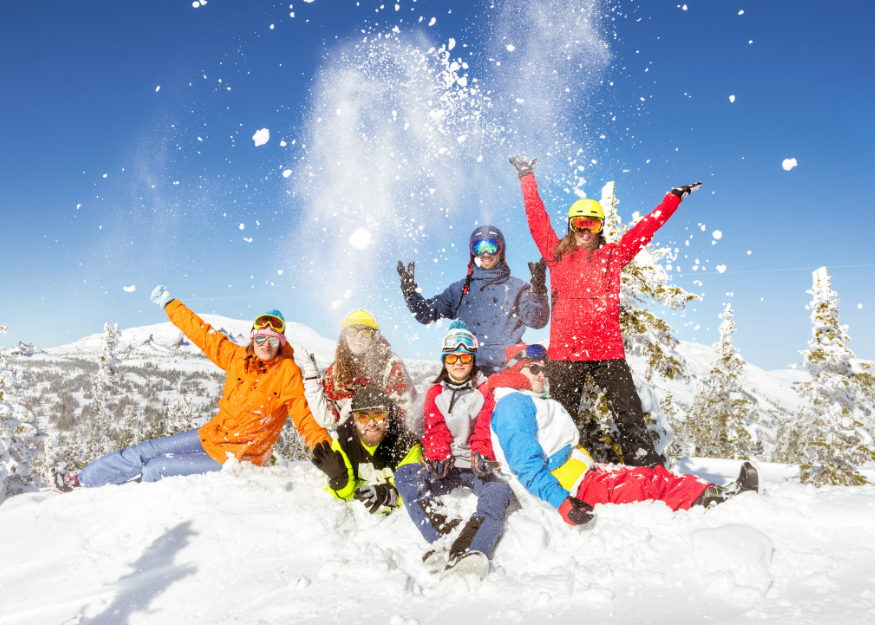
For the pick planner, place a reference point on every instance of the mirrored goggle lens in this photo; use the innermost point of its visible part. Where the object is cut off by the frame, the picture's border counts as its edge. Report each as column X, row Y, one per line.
column 365, row 332
column 487, row 246
column 452, row 359
column 579, row 224
column 453, row 342
column 271, row 340
column 275, row 323
column 536, row 369
column 364, row 417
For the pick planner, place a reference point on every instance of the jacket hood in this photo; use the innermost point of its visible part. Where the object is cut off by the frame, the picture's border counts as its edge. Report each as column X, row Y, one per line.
column 507, row 379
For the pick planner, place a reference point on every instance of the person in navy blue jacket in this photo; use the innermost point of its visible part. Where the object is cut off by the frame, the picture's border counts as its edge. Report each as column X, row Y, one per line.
column 496, row 306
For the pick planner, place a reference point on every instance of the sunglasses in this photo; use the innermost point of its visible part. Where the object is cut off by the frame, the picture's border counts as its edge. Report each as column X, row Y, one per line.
column 465, row 359
column 486, row 246
column 271, row 340
column 378, row 417
column 536, row 369
column 579, row 224
column 269, row 321
column 365, row 332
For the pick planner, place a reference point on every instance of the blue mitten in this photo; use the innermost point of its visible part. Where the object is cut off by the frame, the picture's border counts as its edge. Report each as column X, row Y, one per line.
column 161, row 296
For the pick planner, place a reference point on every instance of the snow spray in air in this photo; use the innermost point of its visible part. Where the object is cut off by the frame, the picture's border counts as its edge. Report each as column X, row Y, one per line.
column 406, row 140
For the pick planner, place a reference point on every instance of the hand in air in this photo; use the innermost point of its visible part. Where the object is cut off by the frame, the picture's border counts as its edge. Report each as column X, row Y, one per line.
column 408, row 285
column 161, row 296
column 685, row 190
column 524, row 167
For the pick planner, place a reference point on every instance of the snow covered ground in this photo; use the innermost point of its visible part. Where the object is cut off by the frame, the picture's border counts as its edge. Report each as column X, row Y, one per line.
column 253, row 545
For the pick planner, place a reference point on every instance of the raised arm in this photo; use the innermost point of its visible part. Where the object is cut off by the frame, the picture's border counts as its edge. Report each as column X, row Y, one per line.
column 299, row 411
column 216, row 346
column 430, row 310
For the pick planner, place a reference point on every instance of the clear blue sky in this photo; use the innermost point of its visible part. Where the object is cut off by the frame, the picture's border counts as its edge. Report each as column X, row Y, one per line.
column 182, row 171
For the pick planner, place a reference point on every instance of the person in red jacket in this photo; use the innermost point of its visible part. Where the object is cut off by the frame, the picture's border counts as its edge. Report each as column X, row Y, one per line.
column 585, row 337
column 457, row 451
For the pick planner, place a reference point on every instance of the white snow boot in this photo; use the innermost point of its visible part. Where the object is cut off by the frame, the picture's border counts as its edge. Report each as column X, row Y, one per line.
column 468, row 563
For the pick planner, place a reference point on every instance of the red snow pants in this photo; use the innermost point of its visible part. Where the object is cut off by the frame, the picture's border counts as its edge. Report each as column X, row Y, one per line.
column 615, row 483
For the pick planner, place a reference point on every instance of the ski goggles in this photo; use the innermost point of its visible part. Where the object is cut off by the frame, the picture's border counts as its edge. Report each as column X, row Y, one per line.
column 456, row 341
column 486, row 246
column 536, row 369
column 465, row 359
column 271, row 340
column 269, row 321
column 366, row 332
column 365, row 417
column 579, row 224
column 531, row 352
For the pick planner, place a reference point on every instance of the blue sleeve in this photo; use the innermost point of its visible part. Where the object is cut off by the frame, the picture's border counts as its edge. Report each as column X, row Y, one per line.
column 516, row 427
column 534, row 311
column 430, row 310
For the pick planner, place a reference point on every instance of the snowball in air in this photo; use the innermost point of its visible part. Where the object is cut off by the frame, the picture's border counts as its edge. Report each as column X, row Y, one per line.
column 684, row 8
column 287, row 173
column 721, row 268
column 279, row 272
column 158, row 88
column 242, row 226
column 129, row 289
column 859, row 306
column 732, row 98
column 717, row 235
column 271, row 26
column 741, row 12
column 452, row 43
column 195, row 4
column 510, row 48
column 432, row 22
column 261, row 137
column 282, row 144
column 360, row 239
column 789, row 163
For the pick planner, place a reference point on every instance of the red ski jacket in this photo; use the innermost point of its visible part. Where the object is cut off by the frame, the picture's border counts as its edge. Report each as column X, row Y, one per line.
column 457, row 424
column 585, row 324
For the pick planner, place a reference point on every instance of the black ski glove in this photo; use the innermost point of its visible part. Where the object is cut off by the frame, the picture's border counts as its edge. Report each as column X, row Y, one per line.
column 330, row 462
column 483, row 466
column 685, row 190
column 539, row 278
column 376, row 496
column 408, row 286
column 523, row 166
column 576, row 511
column 438, row 469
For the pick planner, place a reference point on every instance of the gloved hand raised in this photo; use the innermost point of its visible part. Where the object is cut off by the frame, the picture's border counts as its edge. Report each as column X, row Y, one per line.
column 408, row 286
column 308, row 362
column 161, row 296
column 539, row 278
column 685, row 190
column 376, row 496
column 575, row 511
column 438, row 469
column 524, row 167
column 483, row 466
column 331, row 463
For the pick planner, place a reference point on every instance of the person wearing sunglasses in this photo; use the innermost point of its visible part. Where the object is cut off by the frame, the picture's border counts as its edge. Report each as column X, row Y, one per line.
column 263, row 386
column 496, row 306
column 585, row 336
column 457, row 452
column 537, row 443
column 369, row 449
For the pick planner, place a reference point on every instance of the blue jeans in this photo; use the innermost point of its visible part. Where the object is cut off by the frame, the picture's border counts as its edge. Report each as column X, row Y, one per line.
column 180, row 454
column 493, row 498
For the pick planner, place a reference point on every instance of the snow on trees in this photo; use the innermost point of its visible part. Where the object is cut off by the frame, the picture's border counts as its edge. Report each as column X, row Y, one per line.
column 830, row 438
column 102, row 439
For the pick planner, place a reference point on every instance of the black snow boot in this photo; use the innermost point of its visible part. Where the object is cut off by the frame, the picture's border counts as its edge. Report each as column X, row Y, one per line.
column 464, row 561
column 748, row 481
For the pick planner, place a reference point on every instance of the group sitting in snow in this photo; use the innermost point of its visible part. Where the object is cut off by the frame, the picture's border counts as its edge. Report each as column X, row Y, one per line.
column 486, row 423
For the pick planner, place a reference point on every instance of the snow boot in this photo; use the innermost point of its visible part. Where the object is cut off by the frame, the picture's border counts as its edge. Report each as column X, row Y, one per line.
column 61, row 481
column 435, row 560
column 748, row 481
column 468, row 563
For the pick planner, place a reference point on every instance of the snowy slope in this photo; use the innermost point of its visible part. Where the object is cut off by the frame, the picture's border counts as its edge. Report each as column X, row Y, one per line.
column 252, row 545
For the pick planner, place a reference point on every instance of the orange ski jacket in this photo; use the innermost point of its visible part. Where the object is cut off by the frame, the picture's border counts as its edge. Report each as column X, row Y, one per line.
column 257, row 396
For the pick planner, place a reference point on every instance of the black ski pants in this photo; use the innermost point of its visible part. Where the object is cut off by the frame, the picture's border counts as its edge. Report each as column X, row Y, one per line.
column 613, row 377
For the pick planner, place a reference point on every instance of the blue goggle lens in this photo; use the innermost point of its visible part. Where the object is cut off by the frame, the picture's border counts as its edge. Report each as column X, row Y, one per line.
column 486, row 246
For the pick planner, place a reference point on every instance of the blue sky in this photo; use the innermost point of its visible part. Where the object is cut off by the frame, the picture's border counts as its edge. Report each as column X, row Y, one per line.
column 182, row 171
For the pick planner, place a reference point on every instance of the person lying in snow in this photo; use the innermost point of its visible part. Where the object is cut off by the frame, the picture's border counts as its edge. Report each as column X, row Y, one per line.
column 457, row 452
column 262, row 388
column 370, row 447
column 537, row 440
column 498, row 307
column 585, row 336
column 363, row 359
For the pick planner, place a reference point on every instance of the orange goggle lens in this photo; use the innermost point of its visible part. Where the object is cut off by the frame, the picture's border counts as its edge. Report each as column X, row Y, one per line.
column 579, row 224
column 364, row 417
column 452, row 359
column 274, row 323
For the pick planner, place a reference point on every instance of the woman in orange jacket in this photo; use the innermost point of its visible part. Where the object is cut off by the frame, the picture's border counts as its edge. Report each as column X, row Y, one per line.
column 263, row 386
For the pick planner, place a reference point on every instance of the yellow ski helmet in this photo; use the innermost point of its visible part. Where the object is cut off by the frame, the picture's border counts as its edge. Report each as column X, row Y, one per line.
column 586, row 208
column 360, row 318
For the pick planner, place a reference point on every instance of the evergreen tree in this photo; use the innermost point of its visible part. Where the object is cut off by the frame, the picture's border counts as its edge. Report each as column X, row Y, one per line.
column 831, row 439
column 103, row 430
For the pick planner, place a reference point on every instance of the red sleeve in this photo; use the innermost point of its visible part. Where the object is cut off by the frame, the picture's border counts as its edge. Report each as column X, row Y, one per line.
column 481, row 439
column 437, row 439
column 642, row 233
column 331, row 393
column 539, row 222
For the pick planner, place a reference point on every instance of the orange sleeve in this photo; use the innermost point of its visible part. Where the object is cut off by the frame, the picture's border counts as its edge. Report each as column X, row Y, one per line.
column 299, row 412
column 216, row 346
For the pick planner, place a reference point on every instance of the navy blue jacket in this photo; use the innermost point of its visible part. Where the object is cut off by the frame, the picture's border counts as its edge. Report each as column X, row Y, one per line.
column 496, row 309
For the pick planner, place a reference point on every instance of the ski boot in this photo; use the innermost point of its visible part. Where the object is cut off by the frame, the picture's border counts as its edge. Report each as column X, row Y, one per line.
column 62, row 481
column 748, row 481
column 463, row 560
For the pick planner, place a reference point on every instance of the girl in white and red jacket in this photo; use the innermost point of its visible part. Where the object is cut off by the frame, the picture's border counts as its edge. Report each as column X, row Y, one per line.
column 457, row 451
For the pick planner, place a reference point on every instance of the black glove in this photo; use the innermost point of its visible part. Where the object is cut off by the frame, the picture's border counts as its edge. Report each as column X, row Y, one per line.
column 539, row 278
column 685, row 190
column 408, row 286
column 376, row 496
column 438, row 469
column 483, row 466
column 576, row 511
column 330, row 462
column 523, row 167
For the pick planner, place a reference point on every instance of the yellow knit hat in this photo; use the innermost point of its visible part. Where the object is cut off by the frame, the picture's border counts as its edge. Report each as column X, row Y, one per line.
column 360, row 318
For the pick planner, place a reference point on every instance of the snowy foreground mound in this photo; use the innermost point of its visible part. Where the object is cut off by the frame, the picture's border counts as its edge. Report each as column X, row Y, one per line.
column 251, row 545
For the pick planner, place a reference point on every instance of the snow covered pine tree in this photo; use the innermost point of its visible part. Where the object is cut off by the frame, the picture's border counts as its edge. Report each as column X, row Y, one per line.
column 103, row 429
column 830, row 436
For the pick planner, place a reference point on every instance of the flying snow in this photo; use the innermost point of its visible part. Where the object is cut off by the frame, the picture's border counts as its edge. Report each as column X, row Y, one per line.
column 510, row 48
column 279, row 272
column 789, row 163
column 360, row 239
column 432, row 22
column 158, row 88
column 732, row 98
column 721, row 268
column 261, row 137
column 859, row 306
column 242, row 226
column 129, row 289
column 282, row 144
column 287, row 173
column 717, row 234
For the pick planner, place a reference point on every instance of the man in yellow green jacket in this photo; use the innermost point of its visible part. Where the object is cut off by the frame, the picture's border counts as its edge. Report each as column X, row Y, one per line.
column 361, row 462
